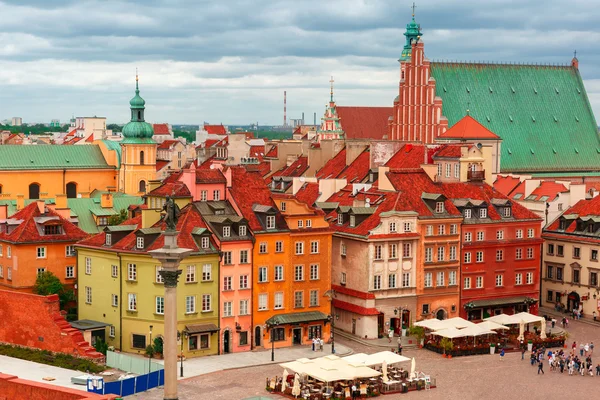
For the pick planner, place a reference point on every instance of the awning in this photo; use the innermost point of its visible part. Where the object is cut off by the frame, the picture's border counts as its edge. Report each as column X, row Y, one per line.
column 296, row 318
column 201, row 328
column 88, row 325
column 498, row 301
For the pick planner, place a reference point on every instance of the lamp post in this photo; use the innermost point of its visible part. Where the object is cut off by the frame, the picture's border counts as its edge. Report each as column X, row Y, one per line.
column 150, row 353
column 270, row 327
column 331, row 294
column 180, row 336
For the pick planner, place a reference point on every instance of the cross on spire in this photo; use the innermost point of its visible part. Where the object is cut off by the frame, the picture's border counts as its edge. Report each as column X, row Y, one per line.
column 575, row 54
column 413, row 9
column 331, row 93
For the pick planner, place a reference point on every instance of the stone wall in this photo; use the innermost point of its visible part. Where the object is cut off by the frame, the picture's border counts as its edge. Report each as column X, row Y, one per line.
column 13, row 388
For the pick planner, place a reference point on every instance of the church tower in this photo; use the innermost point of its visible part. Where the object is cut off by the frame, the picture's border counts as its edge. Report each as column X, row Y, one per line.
column 330, row 126
column 138, row 159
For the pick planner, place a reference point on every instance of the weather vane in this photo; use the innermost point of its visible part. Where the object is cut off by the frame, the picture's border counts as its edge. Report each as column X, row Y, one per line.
column 413, row 9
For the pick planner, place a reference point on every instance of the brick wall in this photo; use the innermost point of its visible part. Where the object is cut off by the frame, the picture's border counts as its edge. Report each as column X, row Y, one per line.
column 35, row 321
column 13, row 388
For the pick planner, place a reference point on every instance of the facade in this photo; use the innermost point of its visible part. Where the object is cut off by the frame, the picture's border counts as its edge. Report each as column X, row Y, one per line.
column 93, row 128
column 119, row 284
column 34, row 240
column 172, row 156
column 570, row 268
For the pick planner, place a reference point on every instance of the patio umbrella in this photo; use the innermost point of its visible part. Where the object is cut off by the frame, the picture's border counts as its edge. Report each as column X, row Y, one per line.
column 296, row 388
column 384, row 371
column 284, row 380
column 521, row 331
column 491, row 325
column 543, row 327
column 412, row 368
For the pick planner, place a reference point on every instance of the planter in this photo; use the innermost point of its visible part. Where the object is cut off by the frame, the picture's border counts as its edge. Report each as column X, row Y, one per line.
column 529, row 347
column 492, row 350
column 403, row 332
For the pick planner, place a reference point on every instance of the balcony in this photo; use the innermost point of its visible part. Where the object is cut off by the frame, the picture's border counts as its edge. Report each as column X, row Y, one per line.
column 476, row 176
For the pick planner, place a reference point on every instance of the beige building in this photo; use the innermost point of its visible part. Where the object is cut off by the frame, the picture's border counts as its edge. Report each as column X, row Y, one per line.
column 90, row 126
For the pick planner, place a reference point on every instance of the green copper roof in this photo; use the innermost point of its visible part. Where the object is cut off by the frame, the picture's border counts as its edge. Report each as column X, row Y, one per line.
column 413, row 32
column 16, row 157
column 137, row 101
column 542, row 113
column 137, row 130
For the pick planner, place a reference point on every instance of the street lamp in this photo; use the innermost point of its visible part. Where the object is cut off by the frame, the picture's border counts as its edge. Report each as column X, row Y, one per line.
column 180, row 336
column 150, row 353
column 331, row 294
column 270, row 326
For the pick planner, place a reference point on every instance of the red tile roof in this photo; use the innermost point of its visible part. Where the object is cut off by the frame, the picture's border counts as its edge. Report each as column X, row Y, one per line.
column 297, row 168
column 172, row 177
column 365, row 122
column 31, row 231
column 352, row 292
column 582, row 208
column 161, row 129
column 410, row 156
column 550, row 189
column 468, row 128
column 173, row 189
column 160, row 164
column 215, row 129
column 272, row 153
column 308, row 193
column 257, row 151
column 358, row 169
column 360, row 310
column 506, row 184
column 210, row 176
column 89, row 139
column 448, row 151
column 333, row 167
column 167, row 144
column 263, row 168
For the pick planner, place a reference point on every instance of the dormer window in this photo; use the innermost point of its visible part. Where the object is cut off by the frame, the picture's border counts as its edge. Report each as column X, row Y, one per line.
column 483, row 213
column 590, row 228
column 108, row 239
column 352, row 221
column 506, row 212
column 242, row 230
column 439, row 207
column 467, row 213
column 140, row 242
column 392, row 227
column 270, row 222
column 226, row 231
column 283, row 206
column 563, row 224
column 52, row 230
column 205, row 242
column 300, row 223
column 340, row 219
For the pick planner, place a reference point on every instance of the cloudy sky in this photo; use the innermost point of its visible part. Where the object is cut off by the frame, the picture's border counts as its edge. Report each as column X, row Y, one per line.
column 230, row 60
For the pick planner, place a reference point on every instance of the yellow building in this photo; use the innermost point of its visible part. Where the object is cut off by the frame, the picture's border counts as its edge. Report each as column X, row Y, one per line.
column 121, row 293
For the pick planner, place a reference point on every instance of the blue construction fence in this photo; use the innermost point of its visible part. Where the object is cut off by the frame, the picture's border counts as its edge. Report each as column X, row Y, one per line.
column 129, row 386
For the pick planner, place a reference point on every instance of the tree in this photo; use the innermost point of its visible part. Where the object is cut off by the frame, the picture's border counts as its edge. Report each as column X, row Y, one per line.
column 101, row 346
column 114, row 127
column 47, row 283
column 119, row 218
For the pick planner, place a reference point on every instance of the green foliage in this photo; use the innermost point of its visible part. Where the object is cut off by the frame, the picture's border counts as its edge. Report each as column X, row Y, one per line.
column 273, row 135
column 56, row 359
column 47, row 283
column 114, row 127
column 158, row 345
column 101, row 346
column 119, row 218
column 150, row 350
column 446, row 344
column 35, row 129
column 189, row 136
column 417, row 331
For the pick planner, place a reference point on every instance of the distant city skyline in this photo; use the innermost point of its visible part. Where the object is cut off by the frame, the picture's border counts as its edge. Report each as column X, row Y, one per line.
column 229, row 62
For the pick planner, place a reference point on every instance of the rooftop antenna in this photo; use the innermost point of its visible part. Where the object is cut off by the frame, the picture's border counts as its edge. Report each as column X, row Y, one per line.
column 331, row 92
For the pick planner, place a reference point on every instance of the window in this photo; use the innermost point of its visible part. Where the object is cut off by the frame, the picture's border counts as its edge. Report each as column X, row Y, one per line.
column 340, row 219
column 392, row 251
column 378, row 252
column 243, row 307
column 499, row 278
column 190, row 304
column 530, row 252
column 518, row 279
column 499, row 255
column 479, row 282
column 452, row 253
column 506, row 212
column 40, row 271
column 242, row 230
column 406, row 250
column 216, row 195
column 441, row 253
column 594, row 255
column 429, row 230
column 483, row 212
column 69, row 251
column 392, row 226
column 468, row 236
column 314, row 272
column 453, row 229
column 519, row 234
column 132, row 302
column 467, row 213
column 227, row 283
column 88, row 295
column 263, row 274
column 243, row 281
column 439, row 279
column 140, row 242
column 300, row 223
column 550, row 272
column 529, row 278
column 352, row 221
column 530, row 232
column 70, row 272
column 427, row 282
column 114, row 300
column 576, row 274
column 262, row 248
column 9, row 273
column 41, row 252
column 392, row 281
column 425, row 309
column 439, row 170
column 205, row 242
column 467, row 257
column 1, row 272
column 298, row 299
column 278, row 301
column 314, row 247
column 299, row 248
column 407, row 227
column 309, row 223
column 550, row 249
column 190, row 275
column 441, row 229
column 518, row 254
column 111, row 331
column 203, row 195
column 283, row 206
column 377, row 282
column 428, row 254
column 278, row 272
column 406, row 279
column 270, row 222
column 439, row 207
column 576, row 252
column 452, row 278
column 226, row 231
column 343, row 249
column 277, row 334
column 1, row 246
column 448, row 170
column 160, row 305
column 499, row 235
column 114, row 270
column 457, row 170
column 207, row 272
column 559, row 273
column 206, row 303
column 480, row 236
column 560, row 250
column 593, row 278
column 8, row 252
column 138, row 341
column 131, row 272
column 243, row 256
column 467, row 283
column 314, row 298
column 279, row 247
column 299, row 273
column 479, row 256
column 549, row 296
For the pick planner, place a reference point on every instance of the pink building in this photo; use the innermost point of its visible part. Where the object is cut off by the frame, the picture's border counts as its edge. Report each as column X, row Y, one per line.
column 204, row 184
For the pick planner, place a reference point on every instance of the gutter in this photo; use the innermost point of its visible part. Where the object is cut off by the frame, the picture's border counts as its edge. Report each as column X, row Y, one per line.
column 120, row 302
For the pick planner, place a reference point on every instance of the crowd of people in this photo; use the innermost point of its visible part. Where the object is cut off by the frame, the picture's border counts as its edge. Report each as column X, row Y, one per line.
column 575, row 363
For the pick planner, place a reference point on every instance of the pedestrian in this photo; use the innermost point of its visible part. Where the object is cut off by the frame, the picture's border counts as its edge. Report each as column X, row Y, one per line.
column 598, row 370
column 591, row 348
column 566, row 322
column 581, row 349
column 522, row 353
column 314, row 343
column 586, row 348
column 541, row 367
column 321, row 343
column 553, row 322
column 502, row 355
column 563, row 321
column 574, row 347
column 400, row 345
column 532, row 358
column 390, row 335
column 594, row 315
column 353, row 390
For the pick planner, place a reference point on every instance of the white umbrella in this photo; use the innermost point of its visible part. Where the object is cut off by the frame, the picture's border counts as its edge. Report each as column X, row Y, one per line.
column 521, row 331
column 384, row 371
column 412, row 368
column 284, row 380
column 296, row 388
column 491, row 325
column 543, row 326
column 501, row 319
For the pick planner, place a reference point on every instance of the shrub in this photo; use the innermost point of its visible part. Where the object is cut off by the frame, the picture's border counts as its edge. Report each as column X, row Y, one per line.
column 56, row 359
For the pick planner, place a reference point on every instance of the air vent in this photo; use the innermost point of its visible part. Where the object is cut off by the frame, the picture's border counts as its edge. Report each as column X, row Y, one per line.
column 511, row 118
column 577, row 119
column 554, row 150
column 512, row 89
column 555, row 119
column 578, row 91
column 576, row 150
column 445, row 89
column 531, row 150
column 488, row 119
column 509, row 151
column 556, row 90
column 491, row 90
column 468, row 90
column 535, row 90
column 533, row 118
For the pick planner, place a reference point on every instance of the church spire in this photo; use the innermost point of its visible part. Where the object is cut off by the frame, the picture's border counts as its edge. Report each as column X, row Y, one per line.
column 331, row 92
column 413, row 33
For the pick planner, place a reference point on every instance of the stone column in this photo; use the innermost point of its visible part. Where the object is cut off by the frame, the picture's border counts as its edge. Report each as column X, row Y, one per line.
column 170, row 257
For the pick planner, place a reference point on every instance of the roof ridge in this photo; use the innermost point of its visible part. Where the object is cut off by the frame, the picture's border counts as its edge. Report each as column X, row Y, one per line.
column 505, row 63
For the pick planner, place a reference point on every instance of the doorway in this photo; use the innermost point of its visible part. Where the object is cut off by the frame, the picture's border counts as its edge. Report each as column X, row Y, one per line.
column 34, row 191
column 71, row 190
column 297, row 336
column 257, row 336
column 395, row 325
column 226, row 342
column 441, row 314
column 573, row 301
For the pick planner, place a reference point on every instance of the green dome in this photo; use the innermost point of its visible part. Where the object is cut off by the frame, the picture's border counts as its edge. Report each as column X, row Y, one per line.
column 137, row 101
column 138, row 130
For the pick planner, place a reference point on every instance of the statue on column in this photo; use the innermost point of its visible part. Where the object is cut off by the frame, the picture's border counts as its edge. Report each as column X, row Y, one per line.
column 172, row 212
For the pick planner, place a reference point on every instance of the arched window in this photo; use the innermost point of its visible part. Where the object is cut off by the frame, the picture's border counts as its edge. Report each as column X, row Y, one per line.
column 141, row 158
column 71, row 190
column 34, row 191
column 139, row 115
column 0, row 189
column 142, row 186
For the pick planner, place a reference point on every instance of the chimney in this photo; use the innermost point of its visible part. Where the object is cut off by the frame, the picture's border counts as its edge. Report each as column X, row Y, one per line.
column 227, row 174
column 41, row 204
column 153, row 184
column 20, row 202
column 106, row 201
column 84, row 195
column 3, row 211
column 60, row 201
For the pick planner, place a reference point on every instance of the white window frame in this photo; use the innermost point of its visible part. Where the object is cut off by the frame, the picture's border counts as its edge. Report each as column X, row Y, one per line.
column 452, row 255
column 206, row 303
column 376, row 282
column 479, row 282
column 378, row 252
column 139, row 242
column 428, row 254
column 529, row 278
column 530, row 233
column 405, row 279
column 483, row 212
column 467, row 257
column 278, row 301
column 227, row 309
column 159, row 305
column 299, row 247
column 518, row 279
column 131, row 302
column 392, row 227
column 457, row 170
column 309, row 223
column 468, row 236
column 500, row 234
column 206, row 272
column 270, row 222
column 392, row 284
column 226, row 231
column 67, row 274
column 244, row 282
column 278, row 273
column 244, row 307
column 314, row 247
column 205, row 242
column 114, row 300
column 313, row 298
column 439, row 207
column 479, row 256
column 41, row 252
column 314, row 272
column 131, row 272
column 519, row 234
column 499, row 280
column 190, row 274
column 392, row 251
column 298, row 273
column 300, row 223
column 480, row 236
column 428, row 280
column 263, row 274
column 468, row 213
column 88, row 295
column 69, row 251
column 407, row 227
column 190, row 304
column 467, row 283
column 114, row 271
column 242, row 230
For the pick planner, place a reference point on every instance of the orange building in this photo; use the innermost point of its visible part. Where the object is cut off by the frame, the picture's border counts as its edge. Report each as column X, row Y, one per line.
column 34, row 240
